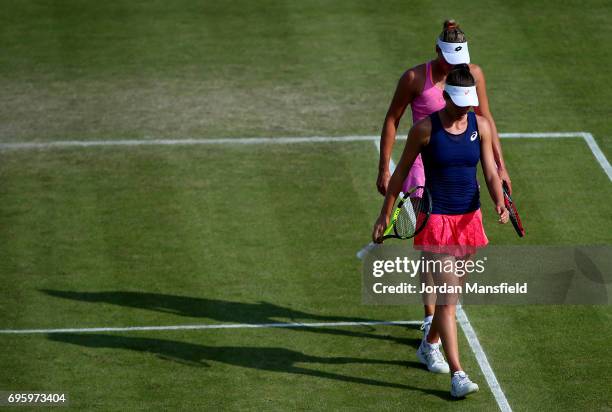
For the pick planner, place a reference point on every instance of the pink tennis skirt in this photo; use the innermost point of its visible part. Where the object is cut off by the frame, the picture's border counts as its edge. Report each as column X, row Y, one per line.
column 457, row 235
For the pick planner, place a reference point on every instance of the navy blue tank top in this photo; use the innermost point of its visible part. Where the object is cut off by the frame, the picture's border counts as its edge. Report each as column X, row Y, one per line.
column 450, row 167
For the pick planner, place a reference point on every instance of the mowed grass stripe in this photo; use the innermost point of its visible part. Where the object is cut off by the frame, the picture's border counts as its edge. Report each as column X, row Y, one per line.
column 273, row 68
column 180, row 222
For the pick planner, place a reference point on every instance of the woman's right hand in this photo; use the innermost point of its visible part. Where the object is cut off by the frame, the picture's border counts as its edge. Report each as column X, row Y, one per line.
column 379, row 228
column 503, row 214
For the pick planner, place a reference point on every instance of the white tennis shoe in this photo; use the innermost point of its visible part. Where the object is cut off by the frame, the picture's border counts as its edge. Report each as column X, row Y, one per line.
column 461, row 385
column 429, row 354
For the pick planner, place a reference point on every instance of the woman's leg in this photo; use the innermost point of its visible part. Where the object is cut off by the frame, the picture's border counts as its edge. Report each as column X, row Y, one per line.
column 429, row 350
column 428, row 301
column 444, row 325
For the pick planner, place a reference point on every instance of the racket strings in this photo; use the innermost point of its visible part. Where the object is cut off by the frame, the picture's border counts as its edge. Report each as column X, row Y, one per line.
column 408, row 221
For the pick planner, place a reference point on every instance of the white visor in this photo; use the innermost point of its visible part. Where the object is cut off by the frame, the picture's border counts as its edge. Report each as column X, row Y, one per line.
column 462, row 96
column 454, row 53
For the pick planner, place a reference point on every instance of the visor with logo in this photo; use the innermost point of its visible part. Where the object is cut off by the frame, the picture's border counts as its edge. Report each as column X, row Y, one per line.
column 454, row 53
column 462, row 96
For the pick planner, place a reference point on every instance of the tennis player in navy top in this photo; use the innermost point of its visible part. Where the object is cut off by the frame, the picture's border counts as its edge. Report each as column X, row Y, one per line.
column 451, row 142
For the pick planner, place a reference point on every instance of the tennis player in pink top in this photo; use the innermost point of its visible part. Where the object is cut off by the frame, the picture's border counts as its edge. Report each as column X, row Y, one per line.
column 421, row 87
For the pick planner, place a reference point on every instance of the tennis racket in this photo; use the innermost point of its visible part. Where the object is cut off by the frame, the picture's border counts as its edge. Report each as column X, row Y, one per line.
column 411, row 214
column 514, row 215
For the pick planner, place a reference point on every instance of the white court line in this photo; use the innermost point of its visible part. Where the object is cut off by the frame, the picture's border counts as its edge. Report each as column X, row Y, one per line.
column 599, row 155
column 482, row 360
column 472, row 339
column 207, row 326
column 186, row 141
column 588, row 138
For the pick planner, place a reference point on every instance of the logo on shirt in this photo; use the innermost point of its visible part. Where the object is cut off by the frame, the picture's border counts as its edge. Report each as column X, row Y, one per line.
column 474, row 136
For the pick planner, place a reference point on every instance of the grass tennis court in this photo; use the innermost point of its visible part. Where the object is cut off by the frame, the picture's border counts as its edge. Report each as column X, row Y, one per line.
column 158, row 235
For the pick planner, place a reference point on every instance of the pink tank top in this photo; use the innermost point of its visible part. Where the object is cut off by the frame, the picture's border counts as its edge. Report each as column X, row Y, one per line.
column 430, row 100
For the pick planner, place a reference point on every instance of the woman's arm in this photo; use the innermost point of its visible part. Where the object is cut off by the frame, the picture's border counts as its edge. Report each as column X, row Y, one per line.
column 404, row 94
column 417, row 138
column 484, row 110
column 488, row 168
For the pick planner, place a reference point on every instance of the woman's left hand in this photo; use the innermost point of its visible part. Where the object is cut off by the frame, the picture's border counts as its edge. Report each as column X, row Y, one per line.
column 503, row 214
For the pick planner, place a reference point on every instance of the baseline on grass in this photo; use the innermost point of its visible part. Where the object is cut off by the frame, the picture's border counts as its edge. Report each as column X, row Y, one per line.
column 207, row 326
column 587, row 137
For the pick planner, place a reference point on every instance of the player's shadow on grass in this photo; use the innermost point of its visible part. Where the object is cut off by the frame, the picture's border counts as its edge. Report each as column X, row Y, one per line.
column 263, row 358
column 224, row 311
